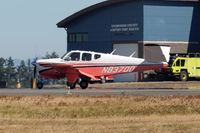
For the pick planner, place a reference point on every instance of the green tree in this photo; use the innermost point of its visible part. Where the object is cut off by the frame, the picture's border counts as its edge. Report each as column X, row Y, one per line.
column 29, row 74
column 52, row 55
column 47, row 56
column 2, row 69
column 29, row 66
column 10, row 72
column 24, row 73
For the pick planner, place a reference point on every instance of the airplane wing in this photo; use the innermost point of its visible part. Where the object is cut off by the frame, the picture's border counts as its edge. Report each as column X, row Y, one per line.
column 56, row 65
column 87, row 75
column 71, row 73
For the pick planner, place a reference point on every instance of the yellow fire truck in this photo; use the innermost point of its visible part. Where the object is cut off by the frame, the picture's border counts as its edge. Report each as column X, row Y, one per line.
column 183, row 67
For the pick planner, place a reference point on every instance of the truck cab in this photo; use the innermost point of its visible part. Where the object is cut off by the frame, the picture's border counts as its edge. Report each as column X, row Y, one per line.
column 182, row 67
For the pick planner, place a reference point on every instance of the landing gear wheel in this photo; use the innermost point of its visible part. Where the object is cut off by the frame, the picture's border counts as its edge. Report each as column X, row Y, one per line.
column 183, row 76
column 83, row 84
column 40, row 85
column 103, row 80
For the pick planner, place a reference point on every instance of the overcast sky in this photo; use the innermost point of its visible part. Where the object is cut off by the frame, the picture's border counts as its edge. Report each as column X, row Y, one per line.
column 28, row 27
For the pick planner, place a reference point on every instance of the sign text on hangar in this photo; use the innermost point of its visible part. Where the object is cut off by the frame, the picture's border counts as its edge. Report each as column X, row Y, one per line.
column 124, row 27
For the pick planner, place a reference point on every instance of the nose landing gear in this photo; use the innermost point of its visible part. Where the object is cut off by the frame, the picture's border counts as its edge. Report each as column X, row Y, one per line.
column 40, row 85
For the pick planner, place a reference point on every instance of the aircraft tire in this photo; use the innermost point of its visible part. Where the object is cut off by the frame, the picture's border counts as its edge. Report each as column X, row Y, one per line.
column 83, row 84
column 40, row 85
column 184, row 76
column 103, row 81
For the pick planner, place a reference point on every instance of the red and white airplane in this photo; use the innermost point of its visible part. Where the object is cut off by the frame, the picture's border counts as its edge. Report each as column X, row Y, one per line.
column 82, row 66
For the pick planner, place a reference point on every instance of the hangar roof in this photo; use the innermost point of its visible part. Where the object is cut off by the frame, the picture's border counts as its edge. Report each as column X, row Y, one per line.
column 67, row 21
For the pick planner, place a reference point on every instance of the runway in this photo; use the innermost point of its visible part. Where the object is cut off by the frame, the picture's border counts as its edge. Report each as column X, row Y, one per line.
column 100, row 92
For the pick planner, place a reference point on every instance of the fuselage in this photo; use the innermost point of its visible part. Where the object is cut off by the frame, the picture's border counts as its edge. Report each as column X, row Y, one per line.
column 95, row 64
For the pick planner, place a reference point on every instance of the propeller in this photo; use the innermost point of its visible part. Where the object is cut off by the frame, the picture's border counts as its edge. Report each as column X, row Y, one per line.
column 34, row 73
column 35, row 68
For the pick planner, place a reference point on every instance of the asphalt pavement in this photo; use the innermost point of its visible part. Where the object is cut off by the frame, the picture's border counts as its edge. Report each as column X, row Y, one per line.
column 100, row 92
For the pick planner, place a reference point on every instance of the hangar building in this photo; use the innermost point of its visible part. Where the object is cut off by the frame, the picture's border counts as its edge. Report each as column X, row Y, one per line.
column 126, row 25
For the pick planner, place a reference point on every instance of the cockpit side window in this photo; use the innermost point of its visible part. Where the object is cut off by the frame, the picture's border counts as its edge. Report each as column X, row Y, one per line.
column 75, row 56
column 86, row 57
column 97, row 56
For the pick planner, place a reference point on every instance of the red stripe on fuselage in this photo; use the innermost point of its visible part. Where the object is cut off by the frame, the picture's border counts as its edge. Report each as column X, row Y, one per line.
column 113, row 70
column 102, row 69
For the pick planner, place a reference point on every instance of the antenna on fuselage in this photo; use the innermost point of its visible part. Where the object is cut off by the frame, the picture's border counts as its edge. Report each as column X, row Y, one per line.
column 113, row 51
column 132, row 54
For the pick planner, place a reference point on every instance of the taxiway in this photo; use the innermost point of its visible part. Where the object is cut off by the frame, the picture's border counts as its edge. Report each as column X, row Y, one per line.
column 100, row 92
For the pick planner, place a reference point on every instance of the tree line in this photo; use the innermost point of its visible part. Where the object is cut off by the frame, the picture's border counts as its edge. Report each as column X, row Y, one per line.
column 23, row 73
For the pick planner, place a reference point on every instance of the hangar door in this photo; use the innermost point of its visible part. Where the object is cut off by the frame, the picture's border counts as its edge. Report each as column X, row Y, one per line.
column 126, row 50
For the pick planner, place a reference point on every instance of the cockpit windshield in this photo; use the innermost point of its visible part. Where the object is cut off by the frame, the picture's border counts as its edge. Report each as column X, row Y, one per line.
column 74, row 56
column 64, row 55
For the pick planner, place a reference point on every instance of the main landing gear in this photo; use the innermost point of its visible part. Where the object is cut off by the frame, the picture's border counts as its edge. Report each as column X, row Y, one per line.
column 83, row 84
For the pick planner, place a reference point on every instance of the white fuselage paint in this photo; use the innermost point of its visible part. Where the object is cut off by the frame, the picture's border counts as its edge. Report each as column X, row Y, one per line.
column 111, row 63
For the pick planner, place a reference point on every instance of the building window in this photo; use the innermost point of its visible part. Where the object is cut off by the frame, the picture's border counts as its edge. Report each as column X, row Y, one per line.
column 85, row 37
column 77, row 37
column 72, row 38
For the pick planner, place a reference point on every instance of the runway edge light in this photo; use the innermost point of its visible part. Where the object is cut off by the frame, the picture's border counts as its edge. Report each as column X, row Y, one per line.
column 18, row 84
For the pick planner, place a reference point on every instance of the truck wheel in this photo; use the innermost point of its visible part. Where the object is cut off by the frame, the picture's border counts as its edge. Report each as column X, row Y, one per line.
column 183, row 76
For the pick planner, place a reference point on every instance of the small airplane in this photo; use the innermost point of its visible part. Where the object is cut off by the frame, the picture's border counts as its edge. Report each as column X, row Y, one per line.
column 83, row 66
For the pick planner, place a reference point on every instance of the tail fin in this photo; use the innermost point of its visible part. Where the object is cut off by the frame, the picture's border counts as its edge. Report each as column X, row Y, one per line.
column 156, row 53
